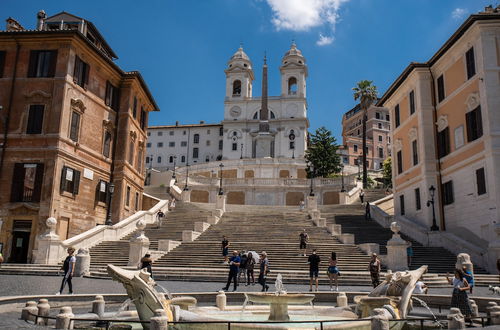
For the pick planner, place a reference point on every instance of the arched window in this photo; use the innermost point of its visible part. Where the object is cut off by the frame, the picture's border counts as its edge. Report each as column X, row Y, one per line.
column 158, row 160
column 196, row 138
column 207, row 158
column 171, row 159
column 271, row 115
column 292, row 86
column 236, row 88
column 183, row 159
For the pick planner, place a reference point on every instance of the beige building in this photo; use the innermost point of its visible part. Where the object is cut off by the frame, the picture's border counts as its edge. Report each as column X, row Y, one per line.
column 73, row 123
column 377, row 137
column 445, row 124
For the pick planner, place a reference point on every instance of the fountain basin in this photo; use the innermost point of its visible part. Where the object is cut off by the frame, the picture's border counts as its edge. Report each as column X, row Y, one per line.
column 278, row 303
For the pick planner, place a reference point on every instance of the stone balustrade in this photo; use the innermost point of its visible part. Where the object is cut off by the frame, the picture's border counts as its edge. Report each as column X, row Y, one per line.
column 189, row 235
column 334, row 229
column 201, row 226
column 167, row 245
column 346, row 238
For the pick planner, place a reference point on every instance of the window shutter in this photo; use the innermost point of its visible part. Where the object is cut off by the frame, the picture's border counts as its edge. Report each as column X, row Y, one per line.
column 468, row 122
column 115, row 102
column 53, row 62
column 17, row 183
column 63, row 179
column 38, row 182
column 2, row 63
column 76, row 181
column 77, row 69
column 86, row 77
column 479, row 122
column 107, row 99
column 33, row 63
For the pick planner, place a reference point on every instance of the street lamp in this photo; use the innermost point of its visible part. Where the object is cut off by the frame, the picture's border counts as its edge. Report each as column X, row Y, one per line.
column 432, row 191
column 311, row 193
column 342, row 176
column 359, row 174
column 111, row 190
column 241, row 157
column 187, row 176
column 221, row 192
column 173, row 175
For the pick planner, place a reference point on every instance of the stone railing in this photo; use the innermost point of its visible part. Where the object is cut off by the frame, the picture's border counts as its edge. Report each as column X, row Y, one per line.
column 51, row 250
column 349, row 181
column 378, row 214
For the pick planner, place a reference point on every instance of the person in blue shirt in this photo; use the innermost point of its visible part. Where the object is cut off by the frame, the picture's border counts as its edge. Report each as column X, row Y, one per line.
column 234, row 267
column 469, row 277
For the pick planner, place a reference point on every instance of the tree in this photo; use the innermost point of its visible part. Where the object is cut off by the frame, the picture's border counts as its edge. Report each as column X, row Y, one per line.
column 321, row 154
column 387, row 172
column 366, row 92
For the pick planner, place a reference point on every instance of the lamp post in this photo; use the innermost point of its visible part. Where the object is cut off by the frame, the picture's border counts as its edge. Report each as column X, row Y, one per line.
column 241, row 157
column 359, row 174
column 111, row 190
column 432, row 191
column 293, row 153
column 221, row 192
column 173, row 175
column 187, row 177
column 311, row 193
column 342, row 177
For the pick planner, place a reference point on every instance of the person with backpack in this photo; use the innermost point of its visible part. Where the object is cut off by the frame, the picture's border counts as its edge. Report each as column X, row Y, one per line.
column 243, row 266
column 69, row 269
column 250, row 266
column 264, row 270
column 147, row 262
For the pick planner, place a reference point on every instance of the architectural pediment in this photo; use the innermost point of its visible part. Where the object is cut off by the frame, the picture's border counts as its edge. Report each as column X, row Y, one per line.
column 23, row 209
column 77, row 104
column 472, row 101
column 442, row 122
column 38, row 96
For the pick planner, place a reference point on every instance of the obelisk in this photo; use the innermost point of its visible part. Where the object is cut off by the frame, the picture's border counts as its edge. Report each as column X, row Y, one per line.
column 264, row 141
column 264, row 111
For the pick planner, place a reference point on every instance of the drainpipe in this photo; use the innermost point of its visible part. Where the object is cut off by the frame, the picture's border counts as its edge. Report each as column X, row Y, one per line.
column 9, row 107
column 113, row 157
column 442, row 222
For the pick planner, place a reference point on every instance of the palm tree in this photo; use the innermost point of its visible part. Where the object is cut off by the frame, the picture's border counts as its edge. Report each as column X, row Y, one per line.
column 366, row 92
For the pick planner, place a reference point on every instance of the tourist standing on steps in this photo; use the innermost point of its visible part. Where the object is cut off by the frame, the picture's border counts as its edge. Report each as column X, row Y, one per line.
column 313, row 262
column 243, row 267
column 304, row 238
column 250, row 267
column 333, row 271
column 225, row 249
column 409, row 252
column 234, row 265
column 361, row 196
column 69, row 269
column 368, row 214
column 147, row 262
column 459, row 298
column 302, row 205
column 374, row 268
column 264, row 270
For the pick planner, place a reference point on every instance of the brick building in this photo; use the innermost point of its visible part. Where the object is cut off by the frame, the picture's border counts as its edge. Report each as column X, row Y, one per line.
column 72, row 122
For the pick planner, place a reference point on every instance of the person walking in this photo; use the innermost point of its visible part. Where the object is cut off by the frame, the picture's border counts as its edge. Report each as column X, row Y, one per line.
column 225, row 249
column 304, row 238
column 147, row 262
column 459, row 298
column 368, row 214
column 302, row 205
column 333, row 272
column 374, row 268
column 469, row 277
column 313, row 262
column 243, row 267
column 234, row 265
column 250, row 267
column 362, row 196
column 264, row 270
column 409, row 252
column 69, row 269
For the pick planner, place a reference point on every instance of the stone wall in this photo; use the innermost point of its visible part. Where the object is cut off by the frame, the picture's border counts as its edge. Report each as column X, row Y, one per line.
column 236, row 197
column 199, row 196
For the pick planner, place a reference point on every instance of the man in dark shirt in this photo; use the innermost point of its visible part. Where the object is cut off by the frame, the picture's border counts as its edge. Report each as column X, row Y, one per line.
column 313, row 262
column 225, row 249
column 304, row 238
column 234, row 267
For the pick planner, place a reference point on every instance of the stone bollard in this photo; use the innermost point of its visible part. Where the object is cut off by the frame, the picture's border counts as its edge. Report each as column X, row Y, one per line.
column 30, row 308
column 379, row 320
column 396, row 250
column 455, row 319
column 82, row 265
column 221, row 300
column 489, row 306
column 475, row 309
column 495, row 315
column 98, row 306
column 63, row 319
column 159, row 321
column 43, row 310
column 220, row 203
column 341, row 300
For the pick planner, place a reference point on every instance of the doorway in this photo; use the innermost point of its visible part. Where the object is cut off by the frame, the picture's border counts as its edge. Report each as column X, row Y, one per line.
column 21, row 232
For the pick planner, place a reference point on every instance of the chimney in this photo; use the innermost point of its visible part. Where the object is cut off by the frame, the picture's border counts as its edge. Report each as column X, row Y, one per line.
column 202, row 122
column 177, row 123
column 40, row 17
column 13, row 25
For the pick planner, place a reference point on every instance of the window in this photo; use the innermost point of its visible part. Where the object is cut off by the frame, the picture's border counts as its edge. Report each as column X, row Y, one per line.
column 356, row 161
column 183, row 132
column 131, row 153
column 292, row 86
column 448, row 193
column 400, row 162
column 440, row 87
column 171, row 144
column 42, row 63
column 443, row 138
column 81, row 72
column 380, row 152
column 111, row 98
column 159, row 144
column 480, row 181
column 134, row 107
column 160, row 134
column 237, row 88
column 102, row 189
column 136, row 202
column 183, row 159
column 412, row 103
column 147, row 159
column 355, row 148
column 377, row 115
column 171, row 159
column 27, row 181
column 292, row 144
column 196, row 138
column 207, row 158
column 195, row 152
column 221, row 144
column 471, row 65
column 2, row 63
column 171, row 133
column 402, row 204
column 208, row 143
column 235, row 146
column 379, row 125
column 396, row 115
column 184, row 143
column 158, row 160
column 418, row 205
column 140, row 159
column 107, row 144
column 148, row 145
column 380, row 138
column 70, row 180
column 208, row 132
column 127, row 197
column 474, row 124
column 387, row 117
column 144, row 119
column 221, row 131
column 414, row 148
column 35, row 119
column 149, row 133
column 75, row 126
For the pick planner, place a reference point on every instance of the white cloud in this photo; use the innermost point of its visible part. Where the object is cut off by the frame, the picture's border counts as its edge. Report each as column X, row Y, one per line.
column 302, row 15
column 458, row 13
column 324, row 40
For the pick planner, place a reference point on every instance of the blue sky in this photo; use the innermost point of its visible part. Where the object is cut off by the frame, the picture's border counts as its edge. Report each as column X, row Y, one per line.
column 182, row 46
